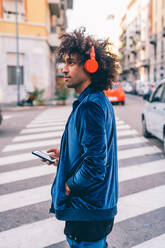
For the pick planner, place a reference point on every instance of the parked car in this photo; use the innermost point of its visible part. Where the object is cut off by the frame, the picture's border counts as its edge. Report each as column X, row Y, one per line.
column 153, row 116
column 116, row 94
column 128, row 88
column 148, row 91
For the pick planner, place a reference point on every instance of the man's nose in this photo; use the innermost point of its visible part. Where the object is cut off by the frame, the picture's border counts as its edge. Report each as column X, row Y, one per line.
column 65, row 69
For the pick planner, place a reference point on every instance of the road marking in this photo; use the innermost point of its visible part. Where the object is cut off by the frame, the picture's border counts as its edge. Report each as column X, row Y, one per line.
column 38, row 136
column 129, row 207
column 141, row 151
column 38, row 234
column 120, row 122
column 17, row 158
column 40, row 121
column 27, row 173
column 140, row 203
column 57, row 128
column 40, row 194
column 141, row 170
column 126, row 133
column 131, row 141
column 42, row 129
column 121, row 127
column 25, row 198
column 46, row 124
column 158, row 242
column 31, row 145
column 126, row 173
column 5, row 117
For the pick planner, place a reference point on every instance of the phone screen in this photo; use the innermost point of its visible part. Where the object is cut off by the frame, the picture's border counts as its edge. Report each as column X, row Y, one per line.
column 44, row 156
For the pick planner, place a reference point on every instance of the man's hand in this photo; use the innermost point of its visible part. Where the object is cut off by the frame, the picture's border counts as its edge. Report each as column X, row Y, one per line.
column 55, row 153
column 67, row 189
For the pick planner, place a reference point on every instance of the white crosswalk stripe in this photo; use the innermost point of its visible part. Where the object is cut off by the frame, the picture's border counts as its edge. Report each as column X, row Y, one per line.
column 27, row 173
column 16, row 147
column 122, row 127
column 157, row 242
column 24, row 198
column 131, row 141
column 38, row 234
column 17, row 158
column 45, row 131
column 141, row 170
column 38, row 136
column 140, row 203
column 5, row 117
column 138, row 152
column 42, row 129
column 45, row 124
column 126, row 133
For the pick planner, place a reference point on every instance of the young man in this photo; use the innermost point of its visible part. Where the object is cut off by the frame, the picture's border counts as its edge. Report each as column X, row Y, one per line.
column 85, row 190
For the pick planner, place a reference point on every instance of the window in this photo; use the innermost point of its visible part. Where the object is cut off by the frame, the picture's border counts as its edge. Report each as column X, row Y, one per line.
column 158, row 93
column 9, row 9
column 12, row 75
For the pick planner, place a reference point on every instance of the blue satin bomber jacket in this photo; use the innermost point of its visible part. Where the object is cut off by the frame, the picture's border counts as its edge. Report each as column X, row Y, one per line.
column 88, row 162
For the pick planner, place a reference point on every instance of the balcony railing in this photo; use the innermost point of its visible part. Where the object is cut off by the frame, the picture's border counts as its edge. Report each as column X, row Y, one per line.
column 54, row 1
column 153, row 39
column 132, row 65
column 163, row 32
column 54, row 7
column 145, row 62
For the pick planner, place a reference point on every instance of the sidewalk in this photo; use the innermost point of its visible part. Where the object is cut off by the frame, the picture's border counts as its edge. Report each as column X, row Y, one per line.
column 13, row 106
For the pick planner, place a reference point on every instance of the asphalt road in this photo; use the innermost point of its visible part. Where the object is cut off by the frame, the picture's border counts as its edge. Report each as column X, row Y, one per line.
column 25, row 184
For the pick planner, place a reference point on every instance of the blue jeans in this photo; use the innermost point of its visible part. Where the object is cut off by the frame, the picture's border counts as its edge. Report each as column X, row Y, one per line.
column 84, row 244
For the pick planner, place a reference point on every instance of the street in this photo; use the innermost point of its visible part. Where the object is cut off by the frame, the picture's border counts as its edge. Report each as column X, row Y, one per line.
column 25, row 183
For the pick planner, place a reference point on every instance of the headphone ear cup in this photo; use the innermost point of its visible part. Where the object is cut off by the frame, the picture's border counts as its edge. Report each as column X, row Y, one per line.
column 91, row 66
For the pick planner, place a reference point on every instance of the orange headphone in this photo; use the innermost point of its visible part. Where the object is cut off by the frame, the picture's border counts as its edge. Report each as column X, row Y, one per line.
column 91, row 65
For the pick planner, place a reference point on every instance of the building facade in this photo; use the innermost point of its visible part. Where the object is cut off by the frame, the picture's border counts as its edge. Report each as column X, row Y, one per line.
column 30, row 42
column 142, row 41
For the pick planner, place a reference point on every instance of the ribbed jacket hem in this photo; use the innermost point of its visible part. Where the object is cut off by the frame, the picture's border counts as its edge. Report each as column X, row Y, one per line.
column 85, row 214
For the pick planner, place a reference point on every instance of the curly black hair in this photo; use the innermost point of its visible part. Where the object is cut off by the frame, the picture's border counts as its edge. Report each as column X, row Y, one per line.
column 77, row 43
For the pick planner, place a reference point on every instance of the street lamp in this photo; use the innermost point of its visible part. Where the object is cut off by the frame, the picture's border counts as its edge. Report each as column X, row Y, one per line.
column 17, row 54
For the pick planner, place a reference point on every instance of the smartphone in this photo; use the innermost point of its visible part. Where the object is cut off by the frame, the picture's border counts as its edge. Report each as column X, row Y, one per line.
column 45, row 156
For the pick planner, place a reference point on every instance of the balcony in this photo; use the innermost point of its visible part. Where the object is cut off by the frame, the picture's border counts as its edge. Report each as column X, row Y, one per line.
column 53, row 40
column 138, row 32
column 145, row 62
column 163, row 32
column 133, row 50
column 132, row 65
column 153, row 39
column 54, row 1
column 69, row 4
column 54, row 6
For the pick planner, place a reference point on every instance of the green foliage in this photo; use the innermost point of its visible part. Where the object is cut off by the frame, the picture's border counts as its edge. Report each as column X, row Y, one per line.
column 62, row 92
column 38, row 95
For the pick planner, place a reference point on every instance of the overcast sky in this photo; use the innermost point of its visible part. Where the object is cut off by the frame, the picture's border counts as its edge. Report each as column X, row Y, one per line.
column 96, row 16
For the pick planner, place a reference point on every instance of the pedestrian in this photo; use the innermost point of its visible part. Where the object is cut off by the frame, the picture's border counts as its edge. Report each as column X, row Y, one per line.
column 85, row 189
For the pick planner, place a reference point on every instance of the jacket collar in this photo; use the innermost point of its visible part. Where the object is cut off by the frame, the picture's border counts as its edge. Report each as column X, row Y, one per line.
column 83, row 94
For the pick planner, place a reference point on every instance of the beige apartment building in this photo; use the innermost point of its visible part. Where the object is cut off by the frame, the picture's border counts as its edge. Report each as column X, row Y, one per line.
column 143, row 41
column 39, row 24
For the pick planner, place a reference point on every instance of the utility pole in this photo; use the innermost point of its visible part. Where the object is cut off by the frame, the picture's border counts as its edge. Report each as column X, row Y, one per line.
column 17, row 54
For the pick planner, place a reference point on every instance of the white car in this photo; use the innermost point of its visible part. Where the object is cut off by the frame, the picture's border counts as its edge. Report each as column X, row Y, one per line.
column 153, row 117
